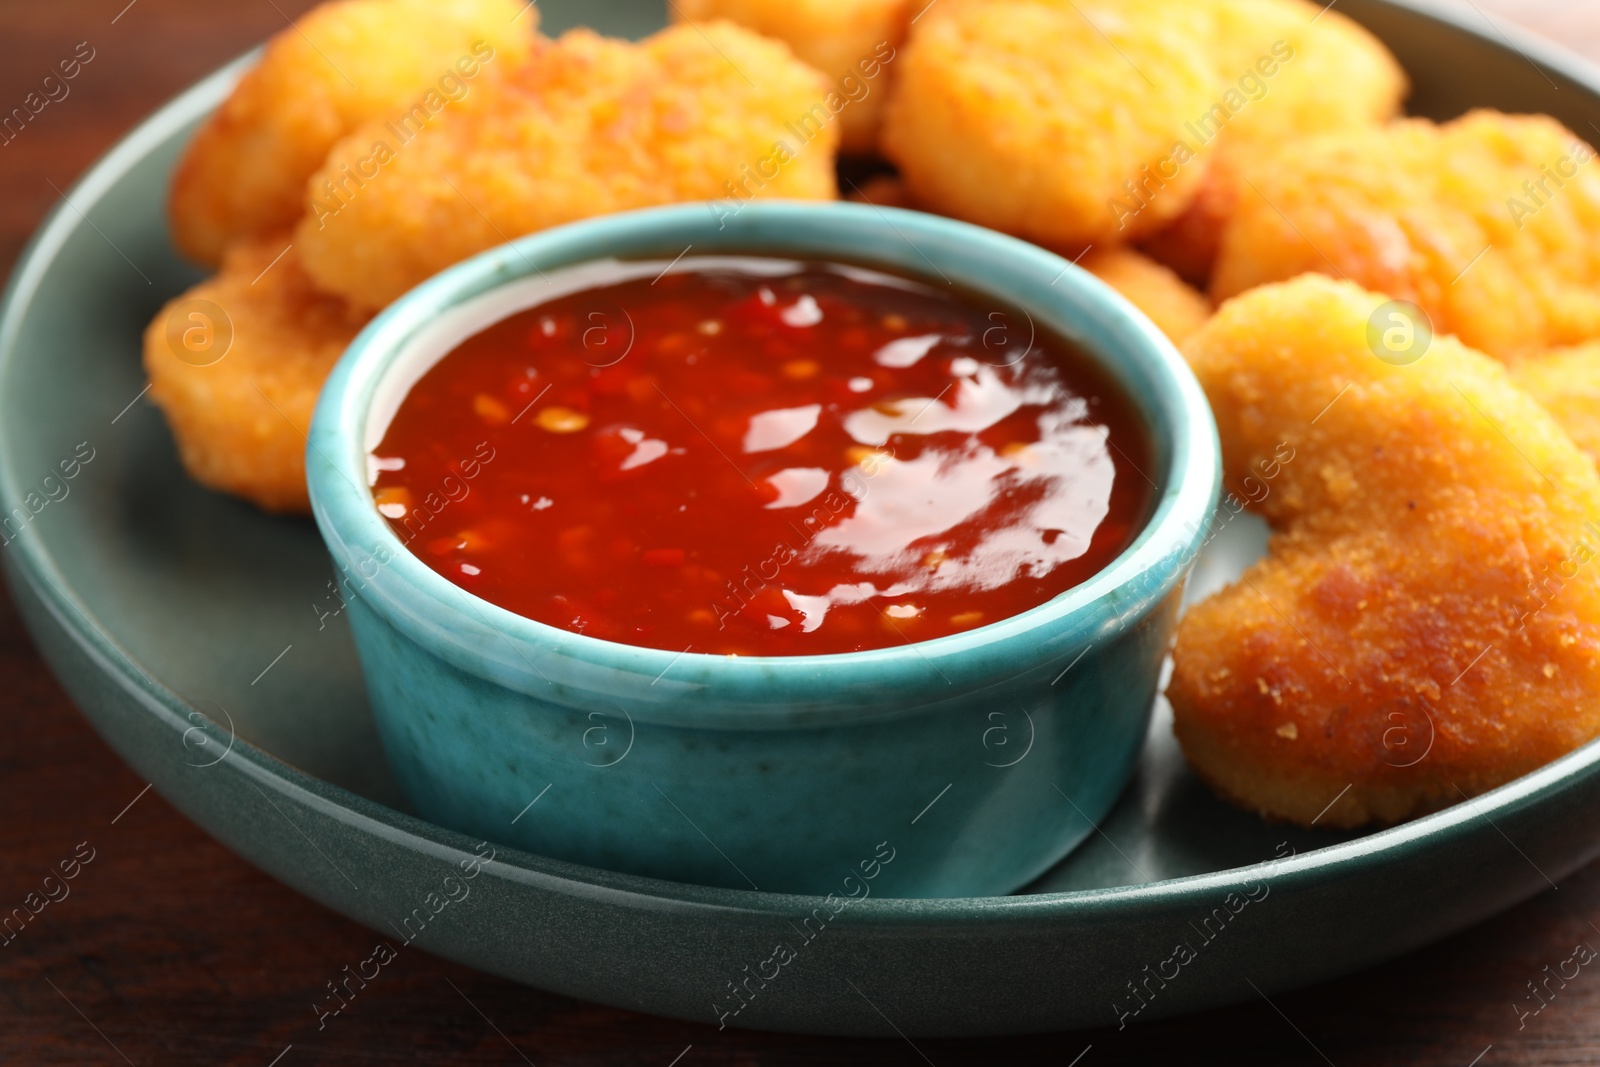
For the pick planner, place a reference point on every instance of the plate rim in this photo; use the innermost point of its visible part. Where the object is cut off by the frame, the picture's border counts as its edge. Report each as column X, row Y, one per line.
column 35, row 564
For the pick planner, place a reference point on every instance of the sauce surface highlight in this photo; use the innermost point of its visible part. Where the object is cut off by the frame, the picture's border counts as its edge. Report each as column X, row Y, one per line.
column 753, row 456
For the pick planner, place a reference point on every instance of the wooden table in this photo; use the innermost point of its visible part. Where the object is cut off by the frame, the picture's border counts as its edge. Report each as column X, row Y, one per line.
column 171, row 950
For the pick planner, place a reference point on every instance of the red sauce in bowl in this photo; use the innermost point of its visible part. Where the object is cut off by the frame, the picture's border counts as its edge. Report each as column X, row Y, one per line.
column 754, row 456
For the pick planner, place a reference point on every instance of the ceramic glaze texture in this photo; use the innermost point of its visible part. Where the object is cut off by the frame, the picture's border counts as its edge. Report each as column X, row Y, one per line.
column 783, row 773
column 801, row 808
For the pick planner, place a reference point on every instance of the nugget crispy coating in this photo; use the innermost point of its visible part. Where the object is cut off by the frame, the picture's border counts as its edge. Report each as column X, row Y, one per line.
column 844, row 39
column 1293, row 67
column 1289, row 69
column 240, row 422
column 1567, row 383
column 1039, row 117
column 588, row 126
column 1490, row 223
column 341, row 65
column 1155, row 290
column 1426, row 625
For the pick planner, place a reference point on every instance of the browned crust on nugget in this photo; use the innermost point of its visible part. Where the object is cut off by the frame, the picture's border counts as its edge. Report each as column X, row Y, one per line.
column 1426, row 625
column 241, row 421
column 339, row 66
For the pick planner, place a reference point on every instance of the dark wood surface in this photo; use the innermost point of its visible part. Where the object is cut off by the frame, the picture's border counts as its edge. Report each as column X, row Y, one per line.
column 171, row 950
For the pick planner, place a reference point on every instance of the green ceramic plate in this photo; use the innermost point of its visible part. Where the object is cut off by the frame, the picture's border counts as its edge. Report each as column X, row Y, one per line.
column 194, row 633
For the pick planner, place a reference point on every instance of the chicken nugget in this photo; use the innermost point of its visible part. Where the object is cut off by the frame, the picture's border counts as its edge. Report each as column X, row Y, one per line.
column 1058, row 121
column 1490, row 223
column 1276, row 61
column 1293, row 67
column 236, row 364
column 340, row 66
column 588, row 126
column 1567, row 383
column 1155, row 290
column 853, row 42
column 1426, row 624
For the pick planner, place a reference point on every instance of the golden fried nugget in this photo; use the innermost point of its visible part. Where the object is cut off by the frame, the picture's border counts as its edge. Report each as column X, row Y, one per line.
column 1490, row 223
column 1155, row 290
column 1293, row 67
column 588, row 126
column 240, row 420
column 1288, row 69
column 344, row 64
column 1055, row 120
column 853, row 42
column 1426, row 625
column 1567, row 383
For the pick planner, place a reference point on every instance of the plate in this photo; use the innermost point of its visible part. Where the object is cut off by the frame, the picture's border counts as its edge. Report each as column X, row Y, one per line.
column 202, row 640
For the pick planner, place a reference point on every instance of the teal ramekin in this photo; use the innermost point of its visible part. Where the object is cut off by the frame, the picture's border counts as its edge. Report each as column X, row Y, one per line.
column 961, row 766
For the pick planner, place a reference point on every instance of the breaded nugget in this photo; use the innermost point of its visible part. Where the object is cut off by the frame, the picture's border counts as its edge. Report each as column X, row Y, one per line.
column 1426, row 625
column 1155, row 290
column 588, row 126
column 1567, row 383
column 240, row 420
column 853, row 42
column 1293, row 67
column 1490, row 223
column 1054, row 120
column 343, row 64
column 1288, row 69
